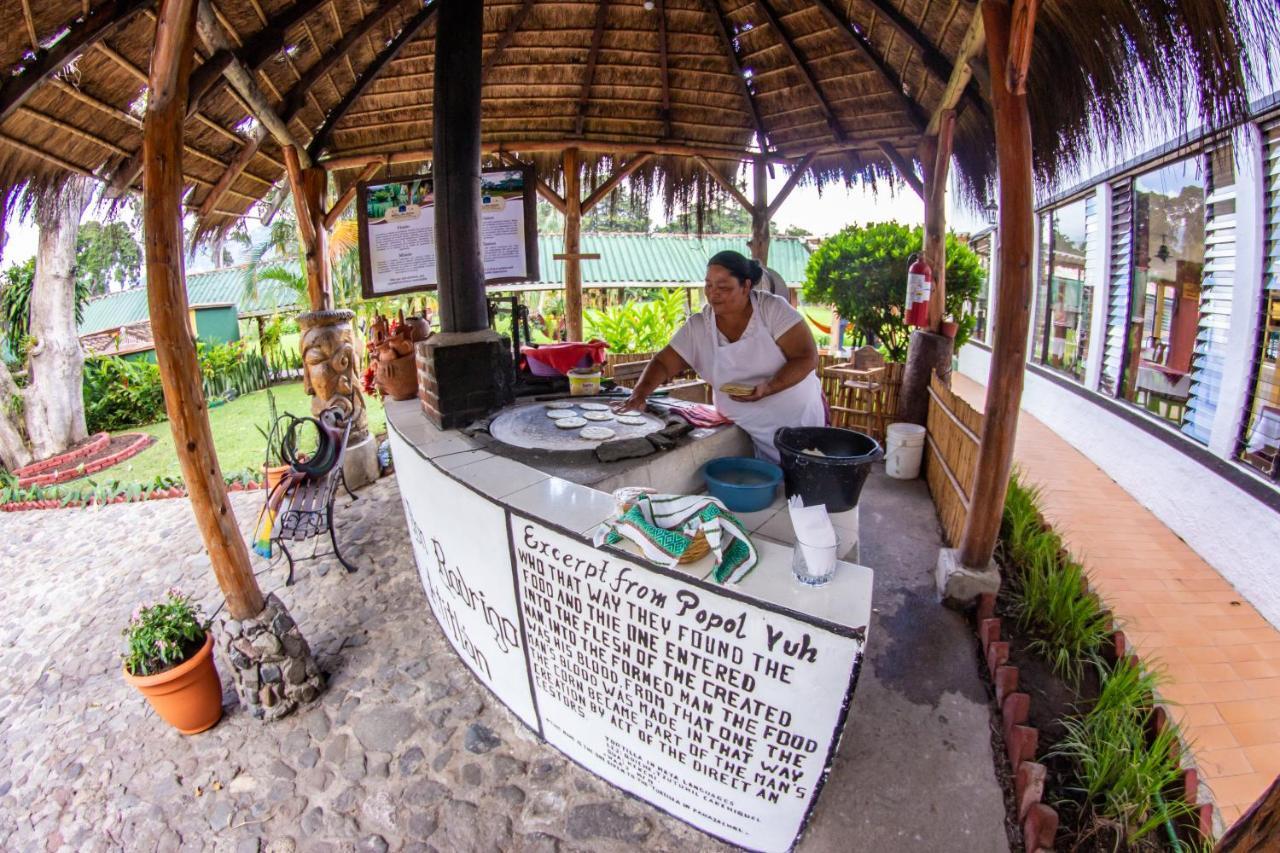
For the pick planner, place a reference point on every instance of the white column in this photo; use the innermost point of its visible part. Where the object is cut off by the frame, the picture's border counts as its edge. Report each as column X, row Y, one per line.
column 992, row 277
column 1037, row 261
column 1099, row 247
column 1246, row 299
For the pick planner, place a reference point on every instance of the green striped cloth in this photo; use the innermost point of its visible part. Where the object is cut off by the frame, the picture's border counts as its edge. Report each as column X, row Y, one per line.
column 664, row 526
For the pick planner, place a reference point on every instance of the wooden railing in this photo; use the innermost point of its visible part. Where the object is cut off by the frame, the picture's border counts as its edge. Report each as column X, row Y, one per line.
column 951, row 456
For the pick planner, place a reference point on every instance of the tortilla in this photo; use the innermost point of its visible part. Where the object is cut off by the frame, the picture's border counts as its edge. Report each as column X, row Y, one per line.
column 737, row 389
column 598, row 416
column 595, row 433
column 561, row 413
column 570, row 423
column 561, row 404
column 593, row 407
column 633, row 420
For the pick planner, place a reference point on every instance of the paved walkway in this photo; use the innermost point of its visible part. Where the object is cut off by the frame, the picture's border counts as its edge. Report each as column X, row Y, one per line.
column 1220, row 656
column 404, row 751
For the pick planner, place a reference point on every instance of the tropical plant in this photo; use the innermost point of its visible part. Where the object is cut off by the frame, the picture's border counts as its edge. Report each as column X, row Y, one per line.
column 862, row 271
column 163, row 635
column 121, row 393
column 273, row 453
column 1123, row 771
column 15, row 300
column 638, row 326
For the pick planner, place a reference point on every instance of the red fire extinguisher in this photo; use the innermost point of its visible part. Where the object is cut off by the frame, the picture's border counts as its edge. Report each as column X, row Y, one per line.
column 919, row 288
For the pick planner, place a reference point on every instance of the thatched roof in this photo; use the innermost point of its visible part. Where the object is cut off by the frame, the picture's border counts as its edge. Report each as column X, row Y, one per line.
column 840, row 78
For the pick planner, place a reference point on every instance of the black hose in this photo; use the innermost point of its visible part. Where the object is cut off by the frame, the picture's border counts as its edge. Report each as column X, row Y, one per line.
column 317, row 464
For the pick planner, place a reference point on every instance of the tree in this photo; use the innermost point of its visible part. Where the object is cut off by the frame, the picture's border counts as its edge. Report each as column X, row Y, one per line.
column 728, row 219
column 862, row 271
column 107, row 257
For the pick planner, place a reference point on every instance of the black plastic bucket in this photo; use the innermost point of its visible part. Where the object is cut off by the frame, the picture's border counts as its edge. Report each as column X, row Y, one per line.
column 836, row 477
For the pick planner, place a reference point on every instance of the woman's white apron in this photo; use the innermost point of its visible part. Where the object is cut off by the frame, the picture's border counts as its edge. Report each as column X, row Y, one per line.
column 754, row 358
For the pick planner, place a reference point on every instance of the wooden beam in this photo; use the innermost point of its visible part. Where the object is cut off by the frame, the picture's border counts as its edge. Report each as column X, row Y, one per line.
column 81, row 35
column 602, row 7
column 862, row 44
column 243, row 82
column 319, row 270
column 31, row 26
column 905, row 170
column 74, row 131
column 1020, row 41
column 1257, row 828
column 801, row 66
column 935, row 160
column 297, row 96
column 47, row 157
column 167, row 299
column 1013, row 285
column 270, row 40
column 335, row 213
column 306, row 225
column 411, row 28
column 970, row 49
column 619, row 175
column 666, row 68
column 232, row 172
column 792, row 182
column 760, row 238
column 725, row 184
column 504, row 40
column 572, row 244
column 722, row 28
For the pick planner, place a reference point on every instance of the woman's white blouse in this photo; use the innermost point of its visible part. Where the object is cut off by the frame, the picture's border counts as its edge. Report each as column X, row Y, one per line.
column 697, row 339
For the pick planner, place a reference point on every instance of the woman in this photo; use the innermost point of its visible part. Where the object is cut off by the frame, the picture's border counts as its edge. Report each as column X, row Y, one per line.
column 749, row 338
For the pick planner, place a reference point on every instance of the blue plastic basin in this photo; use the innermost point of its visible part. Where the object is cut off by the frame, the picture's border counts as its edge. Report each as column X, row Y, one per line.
column 744, row 484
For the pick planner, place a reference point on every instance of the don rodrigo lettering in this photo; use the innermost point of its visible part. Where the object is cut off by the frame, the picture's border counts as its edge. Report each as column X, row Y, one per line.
column 505, row 632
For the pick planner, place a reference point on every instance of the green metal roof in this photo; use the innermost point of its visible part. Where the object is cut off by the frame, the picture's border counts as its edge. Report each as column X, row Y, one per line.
column 657, row 259
column 625, row 259
column 215, row 287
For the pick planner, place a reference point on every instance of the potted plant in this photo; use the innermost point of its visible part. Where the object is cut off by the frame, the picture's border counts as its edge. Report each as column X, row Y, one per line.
column 949, row 327
column 169, row 658
column 274, row 467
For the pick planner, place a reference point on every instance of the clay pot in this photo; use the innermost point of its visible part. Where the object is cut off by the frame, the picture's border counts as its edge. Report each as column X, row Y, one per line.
column 187, row 697
column 274, row 475
column 949, row 328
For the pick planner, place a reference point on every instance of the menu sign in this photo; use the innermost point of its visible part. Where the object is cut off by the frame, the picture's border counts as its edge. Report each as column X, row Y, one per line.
column 398, row 240
column 713, row 707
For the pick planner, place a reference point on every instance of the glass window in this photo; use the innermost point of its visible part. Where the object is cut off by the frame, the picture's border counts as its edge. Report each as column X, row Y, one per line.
column 1164, row 300
column 979, row 306
column 1262, row 427
column 1064, row 299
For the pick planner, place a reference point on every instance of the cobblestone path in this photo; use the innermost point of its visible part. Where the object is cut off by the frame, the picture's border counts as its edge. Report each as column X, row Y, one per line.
column 404, row 751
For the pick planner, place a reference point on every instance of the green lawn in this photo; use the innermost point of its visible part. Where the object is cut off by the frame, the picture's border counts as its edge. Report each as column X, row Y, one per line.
column 235, row 434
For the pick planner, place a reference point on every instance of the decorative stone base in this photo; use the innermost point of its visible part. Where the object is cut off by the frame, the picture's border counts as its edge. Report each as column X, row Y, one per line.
column 463, row 376
column 271, row 663
column 958, row 585
column 360, row 467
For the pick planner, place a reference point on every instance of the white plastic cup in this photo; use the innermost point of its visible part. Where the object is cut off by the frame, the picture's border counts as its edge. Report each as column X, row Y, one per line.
column 904, row 446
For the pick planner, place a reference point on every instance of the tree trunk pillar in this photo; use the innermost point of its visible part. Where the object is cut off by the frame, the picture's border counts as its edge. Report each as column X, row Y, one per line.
column 456, row 167
column 167, row 297
column 55, row 397
column 759, row 244
column 1012, row 311
column 319, row 271
column 935, row 228
column 573, row 243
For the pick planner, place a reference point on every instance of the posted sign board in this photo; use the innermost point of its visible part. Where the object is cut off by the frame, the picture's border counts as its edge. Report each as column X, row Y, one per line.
column 398, row 239
column 719, row 709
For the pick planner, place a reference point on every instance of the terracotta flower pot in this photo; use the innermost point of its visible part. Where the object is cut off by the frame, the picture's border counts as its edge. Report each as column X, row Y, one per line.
column 950, row 328
column 274, row 475
column 187, row 697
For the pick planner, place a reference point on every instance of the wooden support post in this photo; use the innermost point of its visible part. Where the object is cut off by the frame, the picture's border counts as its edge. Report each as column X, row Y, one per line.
column 1012, row 312
column 573, row 243
column 171, row 61
column 315, row 183
column 456, row 165
column 759, row 244
column 935, row 158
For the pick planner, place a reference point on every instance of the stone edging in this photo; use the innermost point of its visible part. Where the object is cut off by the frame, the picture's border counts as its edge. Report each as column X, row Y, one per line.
column 58, row 475
column 1039, row 821
column 92, row 446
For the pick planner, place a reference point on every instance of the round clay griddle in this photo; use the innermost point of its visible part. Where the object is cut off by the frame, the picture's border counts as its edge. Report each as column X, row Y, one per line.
column 527, row 426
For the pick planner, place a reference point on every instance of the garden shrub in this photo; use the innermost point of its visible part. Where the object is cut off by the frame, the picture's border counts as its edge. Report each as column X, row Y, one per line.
column 119, row 393
column 638, row 326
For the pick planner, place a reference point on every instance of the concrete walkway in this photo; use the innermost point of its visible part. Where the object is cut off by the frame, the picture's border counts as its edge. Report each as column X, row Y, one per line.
column 1221, row 658
column 405, row 751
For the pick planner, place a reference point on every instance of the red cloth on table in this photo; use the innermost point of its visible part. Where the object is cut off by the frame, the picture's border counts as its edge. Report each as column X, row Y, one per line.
column 564, row 357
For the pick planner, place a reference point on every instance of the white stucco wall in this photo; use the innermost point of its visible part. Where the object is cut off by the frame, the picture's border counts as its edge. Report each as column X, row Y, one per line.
column 1236, row 534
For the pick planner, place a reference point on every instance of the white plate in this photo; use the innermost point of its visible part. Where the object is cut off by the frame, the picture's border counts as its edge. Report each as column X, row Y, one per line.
column 571, row 423
column 559, row 414
column 598, row 416
column 595, row 433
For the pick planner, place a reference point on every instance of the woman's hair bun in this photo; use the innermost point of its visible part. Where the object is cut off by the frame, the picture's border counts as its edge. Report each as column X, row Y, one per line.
column 739, row 265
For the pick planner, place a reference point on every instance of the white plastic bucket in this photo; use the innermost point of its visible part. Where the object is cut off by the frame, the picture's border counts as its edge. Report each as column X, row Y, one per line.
column 904, row 445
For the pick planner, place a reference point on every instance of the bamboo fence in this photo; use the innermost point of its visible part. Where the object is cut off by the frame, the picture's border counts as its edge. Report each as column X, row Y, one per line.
column 951, row 458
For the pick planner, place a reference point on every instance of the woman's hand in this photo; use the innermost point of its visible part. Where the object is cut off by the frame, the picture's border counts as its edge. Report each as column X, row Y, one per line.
column 635, row 403
column 758, row 393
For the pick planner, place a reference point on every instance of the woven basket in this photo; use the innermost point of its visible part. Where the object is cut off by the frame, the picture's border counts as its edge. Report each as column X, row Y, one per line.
column 698, row 545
